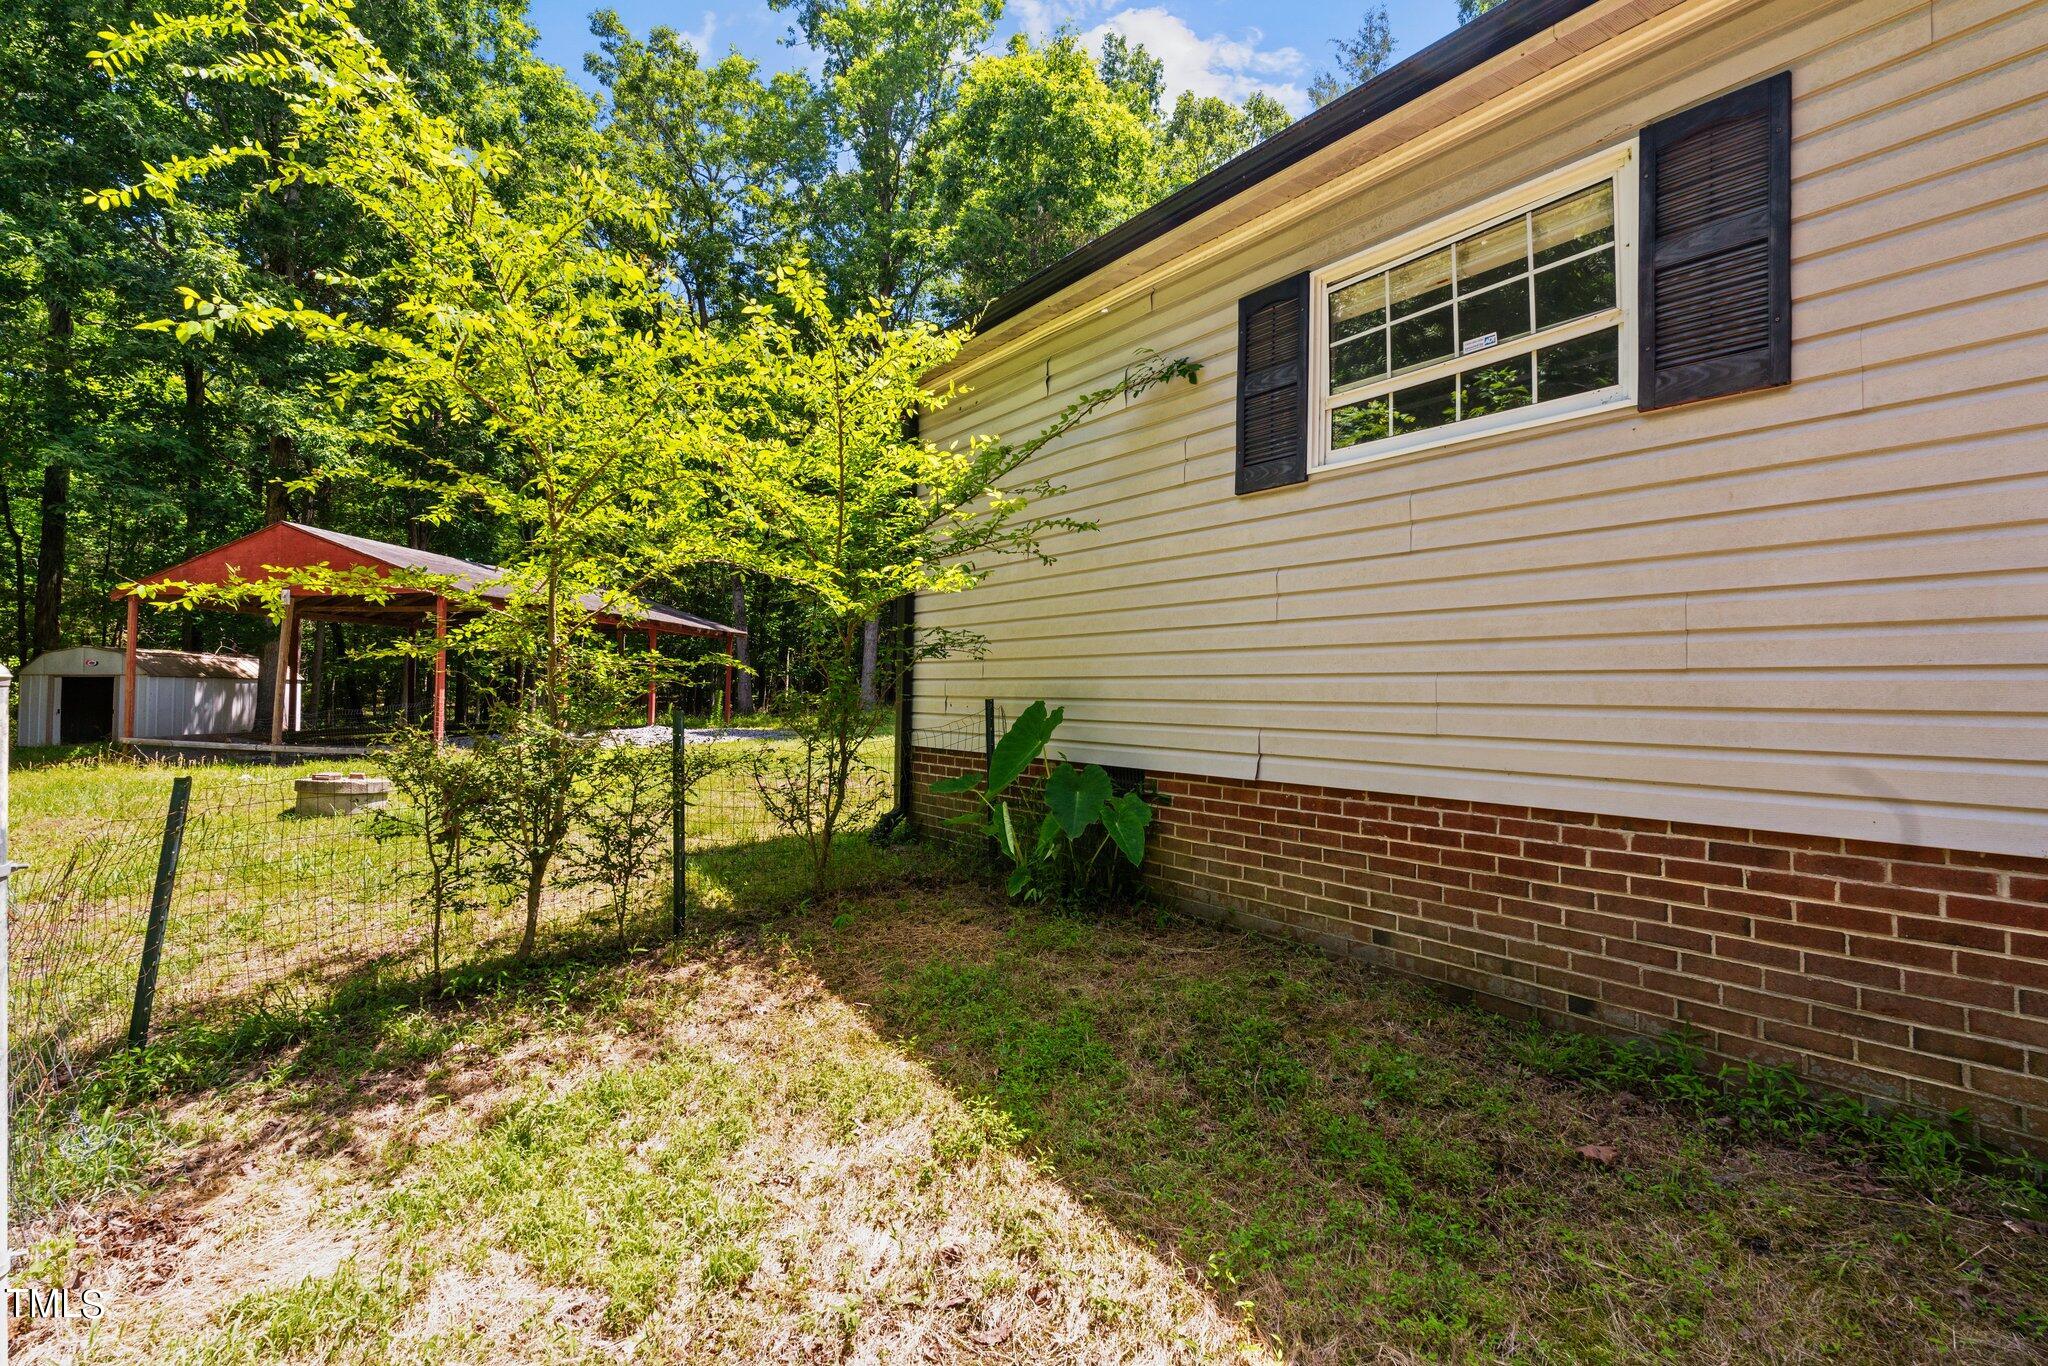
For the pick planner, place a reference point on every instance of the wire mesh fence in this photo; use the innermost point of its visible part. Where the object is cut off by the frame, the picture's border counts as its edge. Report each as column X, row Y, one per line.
column 271, row 904
column 267, row 903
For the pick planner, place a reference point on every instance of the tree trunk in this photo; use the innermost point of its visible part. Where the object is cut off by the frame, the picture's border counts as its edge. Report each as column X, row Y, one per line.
column 536, row 878
column 53, row 535
column 52, row 547
column 18, row 544
column 743, row 681
column 870, row 651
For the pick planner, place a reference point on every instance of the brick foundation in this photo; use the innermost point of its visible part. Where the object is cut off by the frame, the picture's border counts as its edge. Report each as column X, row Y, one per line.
column 1908, row 975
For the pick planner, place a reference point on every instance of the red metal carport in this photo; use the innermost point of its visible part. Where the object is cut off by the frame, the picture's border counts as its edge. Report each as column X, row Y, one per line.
column 282, row 547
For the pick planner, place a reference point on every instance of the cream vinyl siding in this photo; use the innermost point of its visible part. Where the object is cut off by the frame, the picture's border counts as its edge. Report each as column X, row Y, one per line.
column 1822, row 608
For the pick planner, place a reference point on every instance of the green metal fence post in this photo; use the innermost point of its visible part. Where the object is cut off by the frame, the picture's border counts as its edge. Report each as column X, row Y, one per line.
column 159, row 911
column 679, row 805
column 988, row 734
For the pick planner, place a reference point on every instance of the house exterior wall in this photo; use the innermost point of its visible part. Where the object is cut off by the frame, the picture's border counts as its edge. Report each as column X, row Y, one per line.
column 1818, row 609
column 1760, row 684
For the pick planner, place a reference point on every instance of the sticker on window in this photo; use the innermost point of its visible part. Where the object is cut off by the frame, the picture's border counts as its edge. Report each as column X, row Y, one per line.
column 1480, row 343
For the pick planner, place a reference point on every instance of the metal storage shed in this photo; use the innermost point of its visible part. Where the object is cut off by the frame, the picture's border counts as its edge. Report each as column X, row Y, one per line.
column 76, row 696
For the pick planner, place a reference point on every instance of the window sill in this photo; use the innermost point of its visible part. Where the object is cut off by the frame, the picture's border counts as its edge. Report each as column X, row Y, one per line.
column 1492, row 428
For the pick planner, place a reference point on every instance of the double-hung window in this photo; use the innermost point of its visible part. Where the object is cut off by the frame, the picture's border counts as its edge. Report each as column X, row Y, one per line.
column 1516, row 313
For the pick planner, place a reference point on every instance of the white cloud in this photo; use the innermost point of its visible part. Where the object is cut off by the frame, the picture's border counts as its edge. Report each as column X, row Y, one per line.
column 1216, row 65
column 700, row 37
column 1040, row 17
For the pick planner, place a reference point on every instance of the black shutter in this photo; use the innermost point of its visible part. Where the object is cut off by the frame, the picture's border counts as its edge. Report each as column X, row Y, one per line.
column 1716, row 260
column 1272, row 386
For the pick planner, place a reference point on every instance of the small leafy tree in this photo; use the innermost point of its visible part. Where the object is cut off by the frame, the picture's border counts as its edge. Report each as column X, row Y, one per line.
column 626, row 819
column 819, row 783
column 837, row 497
column 441, row 792
column 534, row 773
column 1069, row 855
column 524, row 318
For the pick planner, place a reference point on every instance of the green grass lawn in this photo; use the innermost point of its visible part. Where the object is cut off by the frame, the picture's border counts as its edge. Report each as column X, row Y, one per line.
column 913, row 1123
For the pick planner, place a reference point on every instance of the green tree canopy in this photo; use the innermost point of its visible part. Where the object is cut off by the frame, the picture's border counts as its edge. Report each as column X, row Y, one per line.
column 1038, row 156
column 1362, row 56
column 736, row 159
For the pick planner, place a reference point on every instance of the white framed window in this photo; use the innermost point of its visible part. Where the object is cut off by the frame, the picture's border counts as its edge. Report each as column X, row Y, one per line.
column 1516, row 312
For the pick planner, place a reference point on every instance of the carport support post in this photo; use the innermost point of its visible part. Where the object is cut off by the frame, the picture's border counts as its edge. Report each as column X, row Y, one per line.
column 732, row 645
column 159, row 911
column 653, row 658
column 287, row 636
column 128, row 669
column 440, row 669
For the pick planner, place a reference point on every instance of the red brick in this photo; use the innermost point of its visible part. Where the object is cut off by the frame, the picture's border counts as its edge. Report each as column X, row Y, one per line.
column 1852, row 918
column 1677, row 936
column 1967, row 1049
column 2019, row 972
column 1719, row 874
column 1808, row 1040
column 1719, row 922
column 1749, row 855
column 1861, row 1026
column 1842, row 867
column 2031, row 1033
column 2033, row 864
column 1991, row 995
column 1987, row 912
column 1917, row 1009
column 1636, row 999
column 1905, row 899
column 1721, row 970
column 1942, row 878
column 1763, row 1005
column 1748, row 903
column 1702, row 1016
column 2028, row 1091
column 1808, row 987
column 1903, row 952
column 1951, row 932
column 1663, row 889
column 1668, row 846
column 1684, row 986
column 1790, row 884
column 1804, row 936
column 1876, row 967
column 1911, row 1063
column 1751, row 951
column 1618, row 861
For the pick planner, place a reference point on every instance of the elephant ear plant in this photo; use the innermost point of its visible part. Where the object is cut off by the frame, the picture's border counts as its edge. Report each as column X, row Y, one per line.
column 1087, row 824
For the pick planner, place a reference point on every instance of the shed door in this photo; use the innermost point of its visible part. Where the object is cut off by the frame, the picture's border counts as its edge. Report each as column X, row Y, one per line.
column 85, row 710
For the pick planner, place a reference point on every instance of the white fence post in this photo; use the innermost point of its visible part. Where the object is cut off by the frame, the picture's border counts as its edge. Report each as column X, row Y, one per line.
column 6, row 1039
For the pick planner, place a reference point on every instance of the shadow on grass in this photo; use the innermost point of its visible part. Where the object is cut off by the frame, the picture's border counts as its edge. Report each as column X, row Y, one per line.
column 761, row 879
column 343, row 1034
column 1368, row 1169
column 1353, row 1167
column 338, row 1047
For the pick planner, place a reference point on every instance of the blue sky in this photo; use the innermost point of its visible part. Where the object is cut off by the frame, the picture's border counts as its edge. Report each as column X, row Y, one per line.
column 1214, row 47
